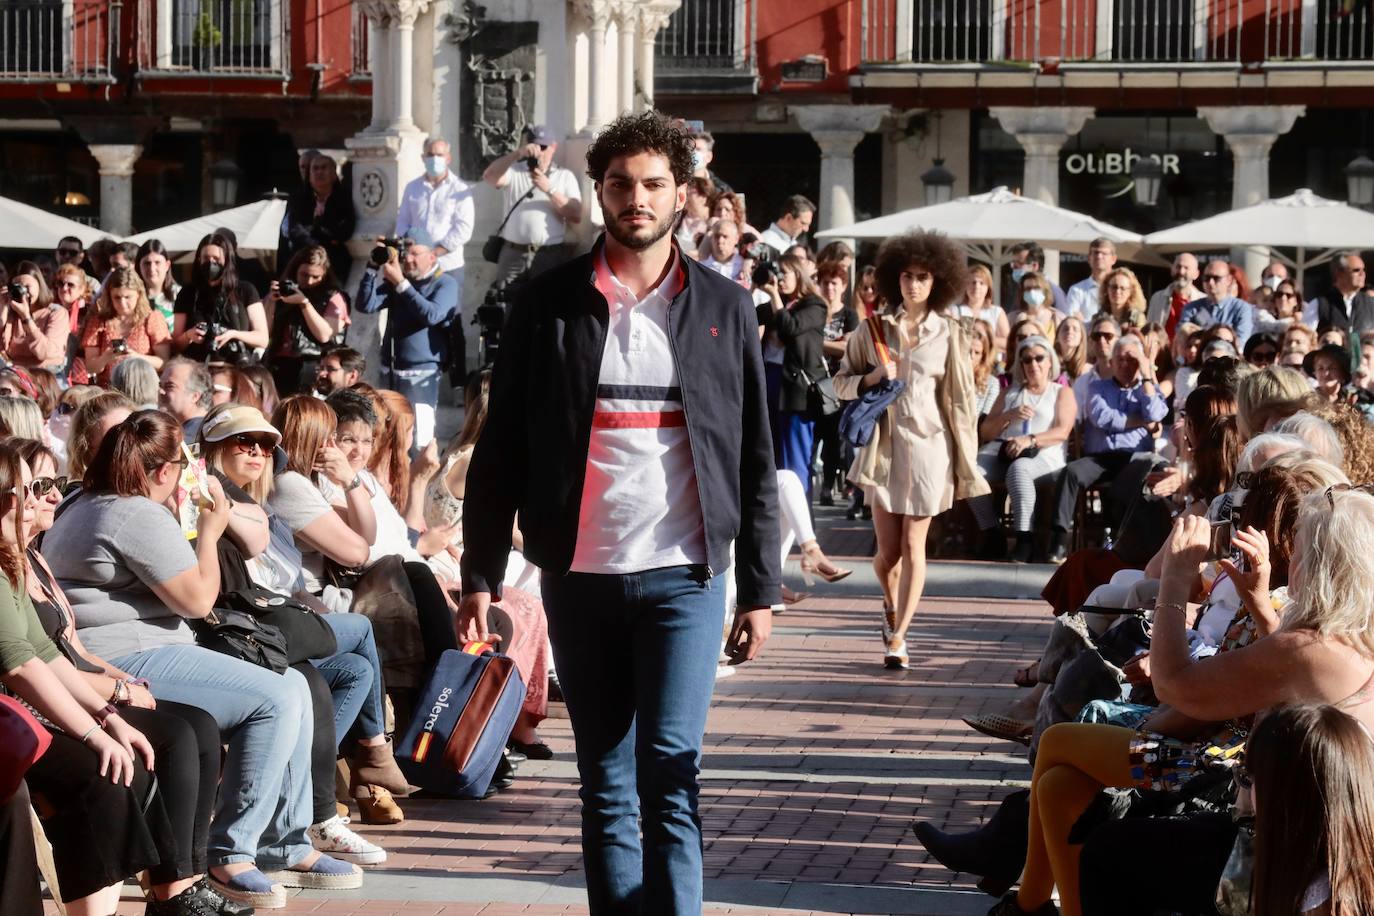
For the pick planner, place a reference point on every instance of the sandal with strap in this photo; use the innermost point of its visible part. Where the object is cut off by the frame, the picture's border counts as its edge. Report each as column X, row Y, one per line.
column 1004, row 727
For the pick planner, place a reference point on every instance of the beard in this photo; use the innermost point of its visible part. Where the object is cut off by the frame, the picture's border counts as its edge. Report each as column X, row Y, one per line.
column 641, row 237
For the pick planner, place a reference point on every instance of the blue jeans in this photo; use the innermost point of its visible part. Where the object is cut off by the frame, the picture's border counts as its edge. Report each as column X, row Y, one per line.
column 638, row 721
column 264, row 805
column 421, row 388
column 354, row 675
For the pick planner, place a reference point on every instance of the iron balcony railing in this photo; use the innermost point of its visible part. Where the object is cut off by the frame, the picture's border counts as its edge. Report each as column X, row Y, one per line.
column 709, row 46
column 249, row 38
column 1234, row 32
column 50, row 41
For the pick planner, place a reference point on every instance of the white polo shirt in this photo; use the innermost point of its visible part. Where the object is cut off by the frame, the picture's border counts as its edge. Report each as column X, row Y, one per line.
column 536, row 220
column 641, row 509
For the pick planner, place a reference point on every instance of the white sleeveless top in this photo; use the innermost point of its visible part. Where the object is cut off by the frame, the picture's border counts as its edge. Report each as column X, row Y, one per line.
column 1043, row 419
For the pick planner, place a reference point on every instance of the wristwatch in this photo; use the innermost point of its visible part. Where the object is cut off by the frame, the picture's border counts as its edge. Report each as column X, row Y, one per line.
column 354, row 484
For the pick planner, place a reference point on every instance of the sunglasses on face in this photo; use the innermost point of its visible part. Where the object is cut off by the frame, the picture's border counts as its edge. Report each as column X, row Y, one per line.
column 65, row 408
column 1120, row 287
column 1215, row 278
column 41, row 486
column 69, row 252
column 1285, row 295
column 1103, row 335
column 1032, row 358
column 250, row 444
column 1264, row 356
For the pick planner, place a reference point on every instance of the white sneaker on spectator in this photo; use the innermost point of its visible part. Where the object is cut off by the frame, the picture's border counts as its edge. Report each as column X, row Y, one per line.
column 335, row 839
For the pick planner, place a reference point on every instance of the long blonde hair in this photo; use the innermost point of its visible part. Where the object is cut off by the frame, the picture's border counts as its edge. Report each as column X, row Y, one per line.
column 1336, row 598
column 214, row 452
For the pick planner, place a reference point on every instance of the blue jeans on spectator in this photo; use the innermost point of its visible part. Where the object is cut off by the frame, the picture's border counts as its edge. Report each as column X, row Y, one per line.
column 420, row 386
column 797, row 433
column 354, row 675
column 264, row 803
column 638, row 722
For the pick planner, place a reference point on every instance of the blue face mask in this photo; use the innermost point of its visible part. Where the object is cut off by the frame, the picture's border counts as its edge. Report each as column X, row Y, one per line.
column 1017, row 273
column 435, row 166
column 1034, row 297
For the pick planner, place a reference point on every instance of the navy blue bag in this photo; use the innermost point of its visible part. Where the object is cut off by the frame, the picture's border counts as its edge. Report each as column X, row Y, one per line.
column 861, row 415
column 462, row 722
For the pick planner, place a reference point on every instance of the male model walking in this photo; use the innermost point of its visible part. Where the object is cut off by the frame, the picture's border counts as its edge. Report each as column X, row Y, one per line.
column 628, row 431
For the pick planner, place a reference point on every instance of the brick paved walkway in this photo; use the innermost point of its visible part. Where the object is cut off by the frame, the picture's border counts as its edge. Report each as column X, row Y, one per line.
column 816, row 762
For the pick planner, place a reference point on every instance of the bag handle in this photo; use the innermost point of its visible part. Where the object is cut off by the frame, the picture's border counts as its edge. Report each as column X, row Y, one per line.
column 478, row 648
column 875, row 330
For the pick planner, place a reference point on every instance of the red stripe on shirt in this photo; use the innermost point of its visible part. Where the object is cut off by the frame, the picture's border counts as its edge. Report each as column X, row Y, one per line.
column 649, row 419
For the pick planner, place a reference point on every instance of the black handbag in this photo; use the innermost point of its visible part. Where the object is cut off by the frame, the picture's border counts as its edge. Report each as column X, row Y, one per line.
column 242, row 635
column 821, row 399
column 491, row 248
column 1029, row 451
column 306, row 633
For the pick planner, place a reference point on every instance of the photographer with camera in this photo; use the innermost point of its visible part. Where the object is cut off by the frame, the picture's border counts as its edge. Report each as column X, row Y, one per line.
column 33, row 326
column 403, row 276
column 540, row 201
column 125, row 323
column 218, row 316
column 307, row 313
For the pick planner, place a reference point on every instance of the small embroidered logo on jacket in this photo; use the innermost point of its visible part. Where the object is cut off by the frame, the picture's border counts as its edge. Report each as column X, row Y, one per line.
column 715, row 331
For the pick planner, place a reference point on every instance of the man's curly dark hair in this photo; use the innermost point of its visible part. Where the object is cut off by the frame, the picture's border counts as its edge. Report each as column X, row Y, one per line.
column 931, row 250
column 645, row 132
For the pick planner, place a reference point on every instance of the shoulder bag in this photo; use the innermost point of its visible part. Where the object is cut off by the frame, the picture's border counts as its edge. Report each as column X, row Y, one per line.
column 821, row 399
column 24, row 740
column 491, row 248
column 242, row 635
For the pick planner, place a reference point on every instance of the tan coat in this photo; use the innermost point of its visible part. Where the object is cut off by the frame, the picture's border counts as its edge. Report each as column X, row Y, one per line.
column 956, row 399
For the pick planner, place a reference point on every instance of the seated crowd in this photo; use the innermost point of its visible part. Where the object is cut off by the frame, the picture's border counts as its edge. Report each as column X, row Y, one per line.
column 1208, row 684
column 225, row 781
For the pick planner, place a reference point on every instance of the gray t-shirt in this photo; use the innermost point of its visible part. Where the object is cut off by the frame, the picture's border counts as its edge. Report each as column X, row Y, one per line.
column 108, row 552
column 297, row 501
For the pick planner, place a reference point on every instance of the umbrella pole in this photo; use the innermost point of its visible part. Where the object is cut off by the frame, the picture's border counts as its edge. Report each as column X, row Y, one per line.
column 1302, row 268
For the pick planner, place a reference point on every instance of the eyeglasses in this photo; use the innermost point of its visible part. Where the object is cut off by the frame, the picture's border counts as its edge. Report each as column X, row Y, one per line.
column 1103, row 335
column 1028, row 359
column 43, row 485
column 249, row 444
column 1332, row 490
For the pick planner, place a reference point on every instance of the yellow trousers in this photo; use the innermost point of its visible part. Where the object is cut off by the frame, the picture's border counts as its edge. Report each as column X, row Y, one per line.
column 1074, row 763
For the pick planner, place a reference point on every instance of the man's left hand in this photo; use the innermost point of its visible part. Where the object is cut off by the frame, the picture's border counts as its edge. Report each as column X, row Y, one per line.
column 751, row 630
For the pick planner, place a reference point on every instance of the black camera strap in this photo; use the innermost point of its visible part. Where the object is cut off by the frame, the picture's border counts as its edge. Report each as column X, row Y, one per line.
column 511, row 212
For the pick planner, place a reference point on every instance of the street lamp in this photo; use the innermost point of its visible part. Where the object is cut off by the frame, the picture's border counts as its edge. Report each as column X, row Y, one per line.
column 224, row 183
column 939, row 183
column 1359, row 181
column 1147, row 175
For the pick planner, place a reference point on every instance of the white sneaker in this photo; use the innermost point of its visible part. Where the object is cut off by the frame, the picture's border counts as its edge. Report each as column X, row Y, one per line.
column 724, row 671
column 335, row 839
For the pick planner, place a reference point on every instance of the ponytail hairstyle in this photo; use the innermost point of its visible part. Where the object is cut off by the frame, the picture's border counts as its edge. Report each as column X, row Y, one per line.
column 81, row 444
column 11, row 477
column 132, row 451
column 306, row 424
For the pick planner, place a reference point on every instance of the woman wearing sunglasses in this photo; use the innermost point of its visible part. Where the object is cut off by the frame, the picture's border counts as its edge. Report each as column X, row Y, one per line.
column 238, row 444
column 1024, row 437
column 134, row 582
column 184, row 739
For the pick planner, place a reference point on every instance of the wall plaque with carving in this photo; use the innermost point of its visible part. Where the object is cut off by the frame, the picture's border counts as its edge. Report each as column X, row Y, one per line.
column 497, row 85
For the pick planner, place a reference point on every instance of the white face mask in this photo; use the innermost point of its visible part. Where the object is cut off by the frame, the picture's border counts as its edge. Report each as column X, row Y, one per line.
column 1272, row 282
column 698, row 160
column 1034, row 297
column 435, row 166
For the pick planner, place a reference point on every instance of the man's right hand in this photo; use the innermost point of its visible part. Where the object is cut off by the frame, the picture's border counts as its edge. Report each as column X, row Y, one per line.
column 531, row 150
column 471, row 623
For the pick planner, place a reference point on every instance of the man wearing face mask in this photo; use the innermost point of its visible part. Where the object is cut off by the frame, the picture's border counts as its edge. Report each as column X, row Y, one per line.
column 441, row 202
column 703, row 153
column 1166, row 305
column 541, row 200
column 421, row 302
column 1028, row 257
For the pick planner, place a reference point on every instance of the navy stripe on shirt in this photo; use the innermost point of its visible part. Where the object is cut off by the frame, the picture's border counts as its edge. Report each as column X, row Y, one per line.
column 639, row 392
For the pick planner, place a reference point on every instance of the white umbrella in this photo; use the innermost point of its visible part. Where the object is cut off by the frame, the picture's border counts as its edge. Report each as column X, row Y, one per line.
column 256, row 225
column 987, row 225
column 1302, row 221
column 22, row 226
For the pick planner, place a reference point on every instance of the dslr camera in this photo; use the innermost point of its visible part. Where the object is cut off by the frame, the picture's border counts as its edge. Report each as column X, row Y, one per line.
column 389, row 250
column 288, row 287
column 765, row 272
column 18, row 290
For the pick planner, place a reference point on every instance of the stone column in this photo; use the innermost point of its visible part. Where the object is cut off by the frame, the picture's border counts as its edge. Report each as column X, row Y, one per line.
column 1042, row 133
column 596, row 14
column 626, row 24
column 378, row 45
column 837, row 129
column 400, row 63
column 1250, row 132
column 653, row 16
column 116, row 166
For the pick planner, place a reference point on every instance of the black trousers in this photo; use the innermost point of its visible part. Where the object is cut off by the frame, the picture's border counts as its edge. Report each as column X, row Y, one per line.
column 324, row 749
column 1114, row 878
column 1077, row 476
column 18, row 861
column 187, row 778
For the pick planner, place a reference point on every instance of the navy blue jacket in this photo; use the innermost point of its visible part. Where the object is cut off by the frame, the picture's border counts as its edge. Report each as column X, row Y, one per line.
column 417, row 329
column 531, row 459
